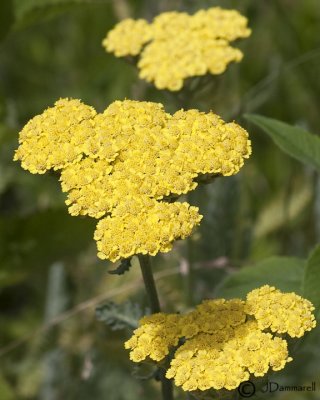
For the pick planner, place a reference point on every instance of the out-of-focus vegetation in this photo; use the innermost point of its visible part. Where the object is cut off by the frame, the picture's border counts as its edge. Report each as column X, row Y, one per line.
column 259, row 227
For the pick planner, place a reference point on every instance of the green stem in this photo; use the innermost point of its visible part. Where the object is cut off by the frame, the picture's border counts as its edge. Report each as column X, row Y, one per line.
column 146, row 269
column 149, row 283
column 166, row 386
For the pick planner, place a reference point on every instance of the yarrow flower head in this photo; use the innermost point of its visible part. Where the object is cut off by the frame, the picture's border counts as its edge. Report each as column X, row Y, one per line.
column 280, row 312
column 224, row 342
column 123, row 165
column 176, row 45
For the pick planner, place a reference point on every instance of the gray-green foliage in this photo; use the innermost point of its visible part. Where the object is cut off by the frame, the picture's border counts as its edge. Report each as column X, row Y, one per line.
column 51, row 49
column 219, row 202
column 120, row 316
column 295, row 141
column 311, row 281
column 285, row 273
column 124, row 266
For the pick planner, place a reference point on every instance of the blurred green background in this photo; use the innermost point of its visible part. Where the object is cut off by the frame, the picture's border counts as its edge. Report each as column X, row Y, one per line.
column 51, row 345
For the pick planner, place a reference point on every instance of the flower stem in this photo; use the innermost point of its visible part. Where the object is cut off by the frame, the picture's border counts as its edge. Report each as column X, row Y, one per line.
column 149, row 283
column 146, row 269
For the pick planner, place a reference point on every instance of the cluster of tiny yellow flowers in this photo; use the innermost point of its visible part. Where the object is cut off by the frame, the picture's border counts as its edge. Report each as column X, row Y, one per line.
column 126, row 163
column 133, row 34
column 154, row 338
column 223, row 342
column 55, row 138
column 280, row 312
column 146, row 230
column 179, row 45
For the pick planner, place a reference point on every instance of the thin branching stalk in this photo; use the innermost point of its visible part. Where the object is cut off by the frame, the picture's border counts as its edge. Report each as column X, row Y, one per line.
column 149, row 283
column 146, row 269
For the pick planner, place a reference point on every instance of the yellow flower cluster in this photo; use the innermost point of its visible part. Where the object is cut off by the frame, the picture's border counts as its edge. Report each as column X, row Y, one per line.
column 146, row 231
column 154, row 338
column 280, row 312
column 179, row 45
column 126, row 163
column 223, row 344
column 207, row 361
column 55, row 138
column 133, row 35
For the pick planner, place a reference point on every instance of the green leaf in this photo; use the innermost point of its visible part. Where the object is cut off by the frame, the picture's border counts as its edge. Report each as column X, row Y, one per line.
column 123, row 267
column 298, row 143
column 285, row 273
column 6, row 17
column 311, row 283
column 120, row 316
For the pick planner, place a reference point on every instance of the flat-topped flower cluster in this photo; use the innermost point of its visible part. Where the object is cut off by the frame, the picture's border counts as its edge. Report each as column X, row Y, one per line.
column 123, row 165
column 224, row 341
column 176, row 45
